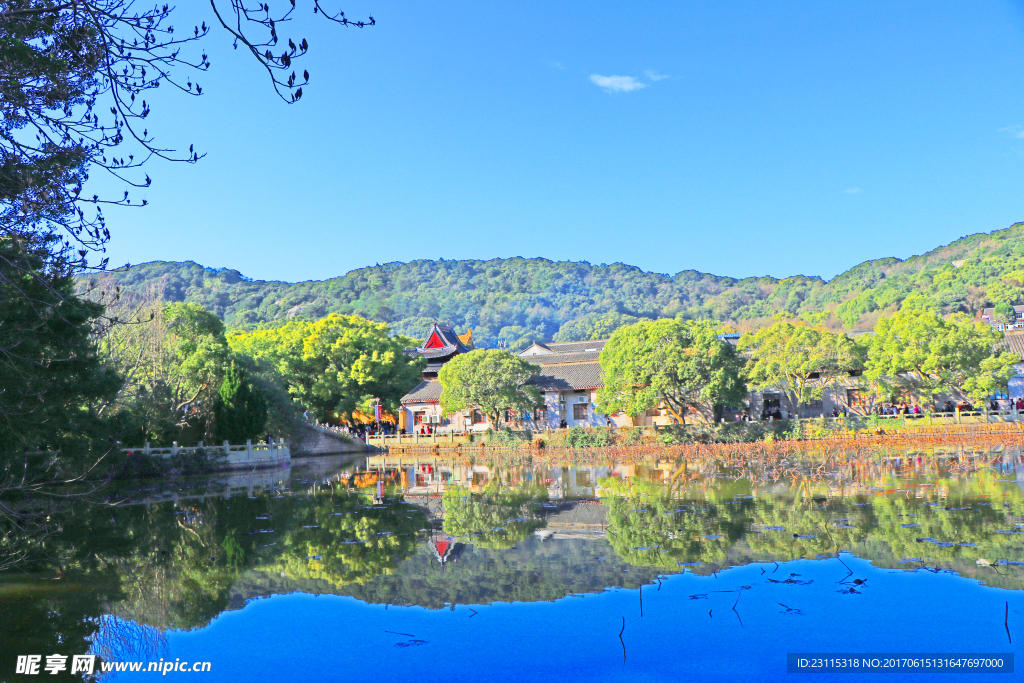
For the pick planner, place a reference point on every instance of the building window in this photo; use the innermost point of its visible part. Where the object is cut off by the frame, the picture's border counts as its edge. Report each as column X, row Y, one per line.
column 579, row 411
column 541, row 414
column 477, row 417
column 418, row 417
column 853, row 398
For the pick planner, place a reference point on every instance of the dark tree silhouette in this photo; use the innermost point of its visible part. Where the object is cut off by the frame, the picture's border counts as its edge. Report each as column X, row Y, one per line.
column 240, row 411
column 74, row 76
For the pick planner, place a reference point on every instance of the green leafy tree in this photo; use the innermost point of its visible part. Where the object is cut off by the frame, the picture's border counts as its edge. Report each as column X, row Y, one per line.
column 679, row 364
column 800, row 360
column 1005, row 293
column 240, row 411
column 593, row 326
column 918, row 352
column 1005, row 313
column 491, row 381
column 337, row 364
column 174, row 358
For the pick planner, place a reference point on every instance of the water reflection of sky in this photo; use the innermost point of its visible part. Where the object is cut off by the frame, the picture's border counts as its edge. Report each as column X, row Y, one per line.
column 688, row 631
column 526, row 571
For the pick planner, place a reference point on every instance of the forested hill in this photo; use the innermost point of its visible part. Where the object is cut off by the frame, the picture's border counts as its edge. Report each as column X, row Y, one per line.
column 520, row 300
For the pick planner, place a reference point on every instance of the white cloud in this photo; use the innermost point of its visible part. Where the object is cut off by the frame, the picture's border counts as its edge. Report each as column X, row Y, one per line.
column 556, row 65
column 851, row 190
column 654, row 76
column 617, row 83
column 1014, row 131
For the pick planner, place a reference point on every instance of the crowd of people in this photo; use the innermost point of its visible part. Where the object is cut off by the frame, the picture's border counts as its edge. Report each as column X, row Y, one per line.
column 359, row 431
column 902, row 408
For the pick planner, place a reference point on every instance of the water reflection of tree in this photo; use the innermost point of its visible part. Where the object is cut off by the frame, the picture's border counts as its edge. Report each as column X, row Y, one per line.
column 647, row 527
column 63, row 588
column 499, row 517
column 957, row 527
column 174, row 567
column 343, row 540
column 948, row 523
column 532, row 571
column 179, row 568
column 122, row 640
column 51, row 618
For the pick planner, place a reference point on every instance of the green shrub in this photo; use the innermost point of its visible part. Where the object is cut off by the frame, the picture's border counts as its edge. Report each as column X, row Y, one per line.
column 506, row 438
column 197, row 461
column 138, row 465
column 581, row 437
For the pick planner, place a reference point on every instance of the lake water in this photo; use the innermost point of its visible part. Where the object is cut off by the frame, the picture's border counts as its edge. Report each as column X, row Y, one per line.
column 584, row 566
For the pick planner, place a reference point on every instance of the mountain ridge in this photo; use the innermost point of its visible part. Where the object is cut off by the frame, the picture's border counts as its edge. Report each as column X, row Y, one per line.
column 519, row 299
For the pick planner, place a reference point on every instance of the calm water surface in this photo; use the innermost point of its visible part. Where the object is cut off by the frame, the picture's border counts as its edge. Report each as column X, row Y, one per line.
column 512, row 569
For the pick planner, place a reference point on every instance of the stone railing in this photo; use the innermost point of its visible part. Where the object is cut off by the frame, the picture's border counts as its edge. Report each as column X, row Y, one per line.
column 234, row 457
column 957, row 417
column 382, row 440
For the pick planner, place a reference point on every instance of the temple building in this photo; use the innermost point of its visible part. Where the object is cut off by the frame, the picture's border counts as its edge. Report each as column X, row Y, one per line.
column 570, row 375
column 421, row 406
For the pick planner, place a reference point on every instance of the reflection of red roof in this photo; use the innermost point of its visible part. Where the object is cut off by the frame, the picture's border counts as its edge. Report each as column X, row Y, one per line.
column 444, row 547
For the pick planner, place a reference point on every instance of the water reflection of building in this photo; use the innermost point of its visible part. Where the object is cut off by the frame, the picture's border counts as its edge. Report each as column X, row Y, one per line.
column 573, row 482
column 429, row 476
column 578, row 520
column 445, row 548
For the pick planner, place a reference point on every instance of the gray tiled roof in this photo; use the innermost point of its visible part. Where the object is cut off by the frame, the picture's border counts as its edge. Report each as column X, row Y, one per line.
column 568, row 366
column 565, row 347
column 434, row 353
column 1014, row 343
column 448, row 335
column 556, row 358
column 569, row 376
column 427, row 391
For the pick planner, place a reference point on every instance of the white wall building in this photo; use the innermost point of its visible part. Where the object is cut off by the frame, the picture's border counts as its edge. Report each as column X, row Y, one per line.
column 570, row 375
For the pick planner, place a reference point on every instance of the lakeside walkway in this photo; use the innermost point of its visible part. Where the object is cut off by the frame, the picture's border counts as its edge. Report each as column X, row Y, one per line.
column 957, row 423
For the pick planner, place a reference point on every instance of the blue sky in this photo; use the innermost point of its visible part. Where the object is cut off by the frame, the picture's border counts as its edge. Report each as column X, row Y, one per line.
column 737, row 138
